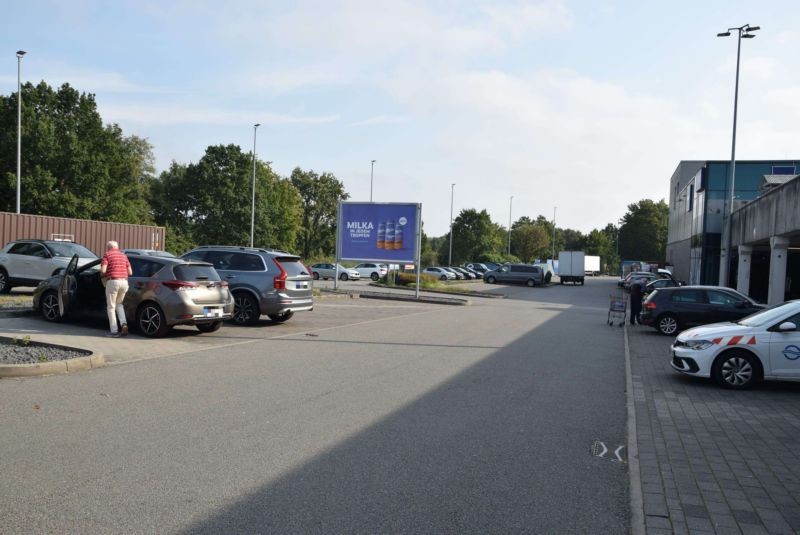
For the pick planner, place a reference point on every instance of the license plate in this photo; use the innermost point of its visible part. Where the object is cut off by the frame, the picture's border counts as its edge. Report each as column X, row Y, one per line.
column 212, row 312
column 301, row 286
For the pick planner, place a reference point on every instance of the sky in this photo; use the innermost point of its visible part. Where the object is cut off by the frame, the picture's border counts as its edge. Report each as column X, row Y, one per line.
column 573, row 107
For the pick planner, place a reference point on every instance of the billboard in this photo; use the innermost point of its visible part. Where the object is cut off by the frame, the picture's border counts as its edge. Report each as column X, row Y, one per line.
column 378, row 231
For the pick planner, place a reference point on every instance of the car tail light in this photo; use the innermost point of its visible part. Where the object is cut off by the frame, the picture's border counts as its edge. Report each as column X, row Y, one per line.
column 280, row 280
column 178, row 285
column 649, row 305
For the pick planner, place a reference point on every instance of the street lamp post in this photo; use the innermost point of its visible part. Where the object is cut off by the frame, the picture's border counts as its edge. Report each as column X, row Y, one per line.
column 450, row 257
column 554, row 235
column 253, row 206
column 20, row 53
column 725, row 253
column 510, row 204
column 371, row 175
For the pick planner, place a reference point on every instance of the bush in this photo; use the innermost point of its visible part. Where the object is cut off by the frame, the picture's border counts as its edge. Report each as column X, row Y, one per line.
column 410, row 279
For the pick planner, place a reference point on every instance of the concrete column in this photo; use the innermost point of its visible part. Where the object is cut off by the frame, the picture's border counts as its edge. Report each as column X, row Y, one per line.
column 745, row 259
column 723, row 266
column 777, row 269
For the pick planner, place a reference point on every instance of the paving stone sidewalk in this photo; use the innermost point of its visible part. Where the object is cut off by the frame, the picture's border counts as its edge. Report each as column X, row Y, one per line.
column 713, row 460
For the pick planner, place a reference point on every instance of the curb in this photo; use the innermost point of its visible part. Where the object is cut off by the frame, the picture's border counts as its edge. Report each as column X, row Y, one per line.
column 17, row 312
column 90, row 362
column 397, row 297
column 460, row 294
column 636, row 498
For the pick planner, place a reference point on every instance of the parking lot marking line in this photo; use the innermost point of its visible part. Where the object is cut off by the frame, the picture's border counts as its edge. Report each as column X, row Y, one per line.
column 637, row 496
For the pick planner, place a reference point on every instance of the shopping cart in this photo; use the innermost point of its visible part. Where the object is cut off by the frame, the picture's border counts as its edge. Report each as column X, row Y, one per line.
column 617, row 307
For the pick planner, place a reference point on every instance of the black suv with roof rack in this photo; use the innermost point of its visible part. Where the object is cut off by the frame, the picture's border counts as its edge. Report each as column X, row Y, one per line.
column 262, row 281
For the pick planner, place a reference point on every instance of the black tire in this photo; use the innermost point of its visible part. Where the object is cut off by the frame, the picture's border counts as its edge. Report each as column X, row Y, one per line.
column 443, row 278
column 151, row 321
column 490, row 279
column 280, row 318
column 548, row 277
column 245, row 310
column 668, row 325
column 737, row 370
column 343, row 277
column 374, row 277
column 5, row 283
column 48, row 306
column 531, row 283
column 581, row 282
column 209, row 327
column 316, row 276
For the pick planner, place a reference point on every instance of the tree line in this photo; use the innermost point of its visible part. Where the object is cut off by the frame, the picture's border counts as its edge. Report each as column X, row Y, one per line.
column 74, row 165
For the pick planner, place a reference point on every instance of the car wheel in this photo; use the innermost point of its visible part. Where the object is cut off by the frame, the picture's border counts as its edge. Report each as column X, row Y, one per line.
column 343, row 277
column 151, row 321
column 491, row 280
column 443, row 278
column 5, row 284
column 374, row 277
column 209, row 327
column 548, row 278
column 246, row 311
column 280, row 318
column 316, row 276
column 48, row 306
column 736, row 369
column 667, row 324
column 531, row 283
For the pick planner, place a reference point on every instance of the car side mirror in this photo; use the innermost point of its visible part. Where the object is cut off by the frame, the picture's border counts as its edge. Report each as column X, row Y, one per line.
column 787, row 326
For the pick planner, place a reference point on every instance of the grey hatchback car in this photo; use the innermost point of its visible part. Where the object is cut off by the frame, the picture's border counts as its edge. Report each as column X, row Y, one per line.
column 518, row 273
column 262, row 281
column 162, row 293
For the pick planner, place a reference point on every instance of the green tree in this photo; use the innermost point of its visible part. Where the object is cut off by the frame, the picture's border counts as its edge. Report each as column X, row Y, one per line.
column 474, row 235
column 320, row 196
column 210, row 202
column 528, row 240
column 72, row 165
column 643, row 231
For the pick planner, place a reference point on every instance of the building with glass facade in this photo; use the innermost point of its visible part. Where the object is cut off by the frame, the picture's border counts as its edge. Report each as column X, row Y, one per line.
column 698, row 206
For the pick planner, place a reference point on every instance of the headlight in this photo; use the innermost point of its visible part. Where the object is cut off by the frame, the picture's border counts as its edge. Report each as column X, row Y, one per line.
column 697, row 344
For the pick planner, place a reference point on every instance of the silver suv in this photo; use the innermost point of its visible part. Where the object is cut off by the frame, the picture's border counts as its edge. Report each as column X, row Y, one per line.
column 262, row 281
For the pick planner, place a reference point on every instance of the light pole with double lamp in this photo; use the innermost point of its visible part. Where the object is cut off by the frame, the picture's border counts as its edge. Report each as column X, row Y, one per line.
column 253, row 205
column 450, row 257
column 20, row 53
column 743, row 32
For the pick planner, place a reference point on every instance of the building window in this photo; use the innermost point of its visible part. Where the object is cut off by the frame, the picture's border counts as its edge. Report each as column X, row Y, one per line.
column 690, row 203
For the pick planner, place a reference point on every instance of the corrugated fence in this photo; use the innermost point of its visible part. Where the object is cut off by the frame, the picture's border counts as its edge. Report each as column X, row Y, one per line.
column 91, row 234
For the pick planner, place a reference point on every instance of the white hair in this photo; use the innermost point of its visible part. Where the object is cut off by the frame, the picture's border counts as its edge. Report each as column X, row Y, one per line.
column 112, row 245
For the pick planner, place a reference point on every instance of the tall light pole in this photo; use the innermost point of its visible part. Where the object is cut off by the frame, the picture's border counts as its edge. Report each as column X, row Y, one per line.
column 450, row 258
column 253, row 206
column 510, row 204
column 20, row 53
column 554, row 235
column 371, row 174
column 725, row 254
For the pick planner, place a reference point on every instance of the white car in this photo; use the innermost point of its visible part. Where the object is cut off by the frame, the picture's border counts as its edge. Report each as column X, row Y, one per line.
column 372, row 270
column 439, row 273
column 764, row 345
column 29, row 262
column 331, row 271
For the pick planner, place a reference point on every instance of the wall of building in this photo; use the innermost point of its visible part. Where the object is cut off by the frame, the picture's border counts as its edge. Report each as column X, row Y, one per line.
column 91, row 234
column 775, row 213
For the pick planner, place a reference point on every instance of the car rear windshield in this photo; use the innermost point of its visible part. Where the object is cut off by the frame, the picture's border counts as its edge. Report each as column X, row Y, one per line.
column 195, row 272
column 292, row 266
column 69, row 249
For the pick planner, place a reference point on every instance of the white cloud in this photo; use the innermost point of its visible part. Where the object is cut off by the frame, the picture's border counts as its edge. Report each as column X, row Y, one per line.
column 165, row 114
column 82, row 79
column 381, row 120
column 530, row 18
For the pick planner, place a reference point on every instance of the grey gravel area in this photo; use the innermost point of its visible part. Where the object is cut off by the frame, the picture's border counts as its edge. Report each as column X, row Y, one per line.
column 34, row 354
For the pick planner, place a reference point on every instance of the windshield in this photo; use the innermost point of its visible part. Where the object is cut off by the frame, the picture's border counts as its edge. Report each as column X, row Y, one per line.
column 69, row 249
column 769, row 315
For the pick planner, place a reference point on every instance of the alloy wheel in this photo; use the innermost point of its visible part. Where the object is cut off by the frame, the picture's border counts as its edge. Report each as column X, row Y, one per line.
column 50, row 306
column 150, row 320
column 668, row 325
column 736, row 371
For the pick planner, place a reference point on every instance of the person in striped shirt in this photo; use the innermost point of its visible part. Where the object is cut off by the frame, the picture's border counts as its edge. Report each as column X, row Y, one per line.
column 115, row 269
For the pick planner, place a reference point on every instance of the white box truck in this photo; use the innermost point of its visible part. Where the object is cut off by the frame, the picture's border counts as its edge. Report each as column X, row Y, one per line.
column 592, row 265
column 571, row 266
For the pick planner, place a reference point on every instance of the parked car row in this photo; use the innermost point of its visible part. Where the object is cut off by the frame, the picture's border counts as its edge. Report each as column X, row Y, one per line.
column 202, row 288
column 368, row 270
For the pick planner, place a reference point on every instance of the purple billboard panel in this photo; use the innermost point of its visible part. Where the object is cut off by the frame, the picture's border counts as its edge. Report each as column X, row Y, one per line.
column 372, row 231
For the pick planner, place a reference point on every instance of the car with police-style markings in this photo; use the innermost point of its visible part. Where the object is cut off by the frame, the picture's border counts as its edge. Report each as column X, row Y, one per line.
column 762, row 346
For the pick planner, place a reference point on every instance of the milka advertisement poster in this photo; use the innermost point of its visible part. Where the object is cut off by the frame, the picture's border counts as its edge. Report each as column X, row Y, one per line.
column 369, row 231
